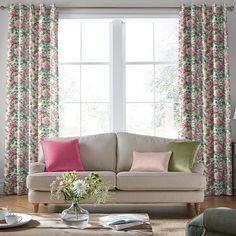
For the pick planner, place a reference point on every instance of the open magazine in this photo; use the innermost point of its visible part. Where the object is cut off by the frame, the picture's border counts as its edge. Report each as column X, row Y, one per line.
column 120, row 221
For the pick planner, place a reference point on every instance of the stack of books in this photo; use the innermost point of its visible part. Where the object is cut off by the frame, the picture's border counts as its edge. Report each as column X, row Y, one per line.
column 120, row 221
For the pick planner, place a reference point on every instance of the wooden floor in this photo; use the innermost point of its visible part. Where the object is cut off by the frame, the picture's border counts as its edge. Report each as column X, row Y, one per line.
column 20, row 204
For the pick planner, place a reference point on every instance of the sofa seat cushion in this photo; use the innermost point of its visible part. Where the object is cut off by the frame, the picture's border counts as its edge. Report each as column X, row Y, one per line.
column 41, row 181
column 155, row 181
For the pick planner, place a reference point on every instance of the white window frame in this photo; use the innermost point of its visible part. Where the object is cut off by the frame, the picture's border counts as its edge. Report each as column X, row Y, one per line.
column 117, row 60
column 117, row 78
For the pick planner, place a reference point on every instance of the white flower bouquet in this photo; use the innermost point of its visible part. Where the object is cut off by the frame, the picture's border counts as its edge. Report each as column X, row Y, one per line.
column 73, row 189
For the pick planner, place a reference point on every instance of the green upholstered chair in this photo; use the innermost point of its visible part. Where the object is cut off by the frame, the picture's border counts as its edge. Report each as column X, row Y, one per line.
column 213, row 222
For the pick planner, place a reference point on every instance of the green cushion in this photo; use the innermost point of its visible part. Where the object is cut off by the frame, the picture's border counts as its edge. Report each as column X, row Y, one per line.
column 195, row 226
column 183, row 154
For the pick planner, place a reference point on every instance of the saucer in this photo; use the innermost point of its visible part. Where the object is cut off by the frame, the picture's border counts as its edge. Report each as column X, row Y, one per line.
column 25, row 219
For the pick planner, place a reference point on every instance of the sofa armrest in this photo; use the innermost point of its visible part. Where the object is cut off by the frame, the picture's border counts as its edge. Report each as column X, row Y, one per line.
column 220, row 220
column 36, row 167
column 198, row 168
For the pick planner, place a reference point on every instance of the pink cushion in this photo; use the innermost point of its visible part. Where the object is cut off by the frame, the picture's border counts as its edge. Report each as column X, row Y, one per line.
column 150, row 161
column 61, row 155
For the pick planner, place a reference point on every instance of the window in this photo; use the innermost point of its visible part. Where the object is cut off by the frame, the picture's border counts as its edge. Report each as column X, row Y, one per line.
column 118, row 75
column 84, row 77
column 151, row 77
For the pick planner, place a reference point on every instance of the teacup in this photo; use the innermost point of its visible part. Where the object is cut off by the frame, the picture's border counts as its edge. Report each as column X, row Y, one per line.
column 12, row 219
column 3, row 212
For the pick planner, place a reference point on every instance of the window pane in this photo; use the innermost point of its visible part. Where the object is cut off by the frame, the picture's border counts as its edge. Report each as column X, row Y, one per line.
column 95, row 118
column 69, row 83
column 165, row 123
column 166, row 83
column 139, row 118
column 69, row 41
column 139, row 83
column 139, row 41
column 166, row 108
column 166, row 40
column 95, row 42
column 69, row 119
column 95, row 83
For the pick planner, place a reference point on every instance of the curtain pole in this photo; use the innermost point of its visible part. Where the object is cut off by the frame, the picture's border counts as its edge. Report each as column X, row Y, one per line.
column 229, row 8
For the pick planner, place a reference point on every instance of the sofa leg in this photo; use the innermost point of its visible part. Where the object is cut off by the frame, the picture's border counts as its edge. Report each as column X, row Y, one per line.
column 197, row 207
column 35, row 207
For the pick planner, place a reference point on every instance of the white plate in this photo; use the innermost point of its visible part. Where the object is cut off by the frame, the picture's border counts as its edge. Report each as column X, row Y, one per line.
column 25, row 219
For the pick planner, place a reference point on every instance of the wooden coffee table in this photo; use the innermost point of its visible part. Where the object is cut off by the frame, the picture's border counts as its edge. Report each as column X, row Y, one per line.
column 50, row 224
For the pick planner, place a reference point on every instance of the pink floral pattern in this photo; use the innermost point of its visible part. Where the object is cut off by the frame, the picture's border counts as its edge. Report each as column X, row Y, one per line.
column 204, row 87
column 32, row 89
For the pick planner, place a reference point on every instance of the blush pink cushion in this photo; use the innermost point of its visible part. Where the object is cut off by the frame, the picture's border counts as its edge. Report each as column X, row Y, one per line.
column 61, row 155
column 150, row 161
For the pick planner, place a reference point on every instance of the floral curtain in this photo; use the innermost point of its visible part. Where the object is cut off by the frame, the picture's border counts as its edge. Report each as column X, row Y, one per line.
column 204, row 88
column 32, row 89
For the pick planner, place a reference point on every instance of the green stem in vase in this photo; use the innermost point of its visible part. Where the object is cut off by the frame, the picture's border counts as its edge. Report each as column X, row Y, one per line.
column 76, row 208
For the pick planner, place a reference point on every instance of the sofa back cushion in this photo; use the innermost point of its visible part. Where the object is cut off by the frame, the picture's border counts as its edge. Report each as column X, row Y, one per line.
column 97, row 152
column 128, row 143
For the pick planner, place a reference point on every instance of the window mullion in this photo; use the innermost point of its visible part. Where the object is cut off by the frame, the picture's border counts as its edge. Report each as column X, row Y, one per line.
column 154, row 78
column 117, row 76
column 80, row 78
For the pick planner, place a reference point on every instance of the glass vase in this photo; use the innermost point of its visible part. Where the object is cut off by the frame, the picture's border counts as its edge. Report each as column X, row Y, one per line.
column 75, row 216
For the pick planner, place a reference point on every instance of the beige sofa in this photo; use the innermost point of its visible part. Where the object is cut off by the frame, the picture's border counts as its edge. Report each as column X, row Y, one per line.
column 111, row 156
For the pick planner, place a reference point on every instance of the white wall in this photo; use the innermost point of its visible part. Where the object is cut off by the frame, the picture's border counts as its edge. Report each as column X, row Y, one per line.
column 111, row 3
